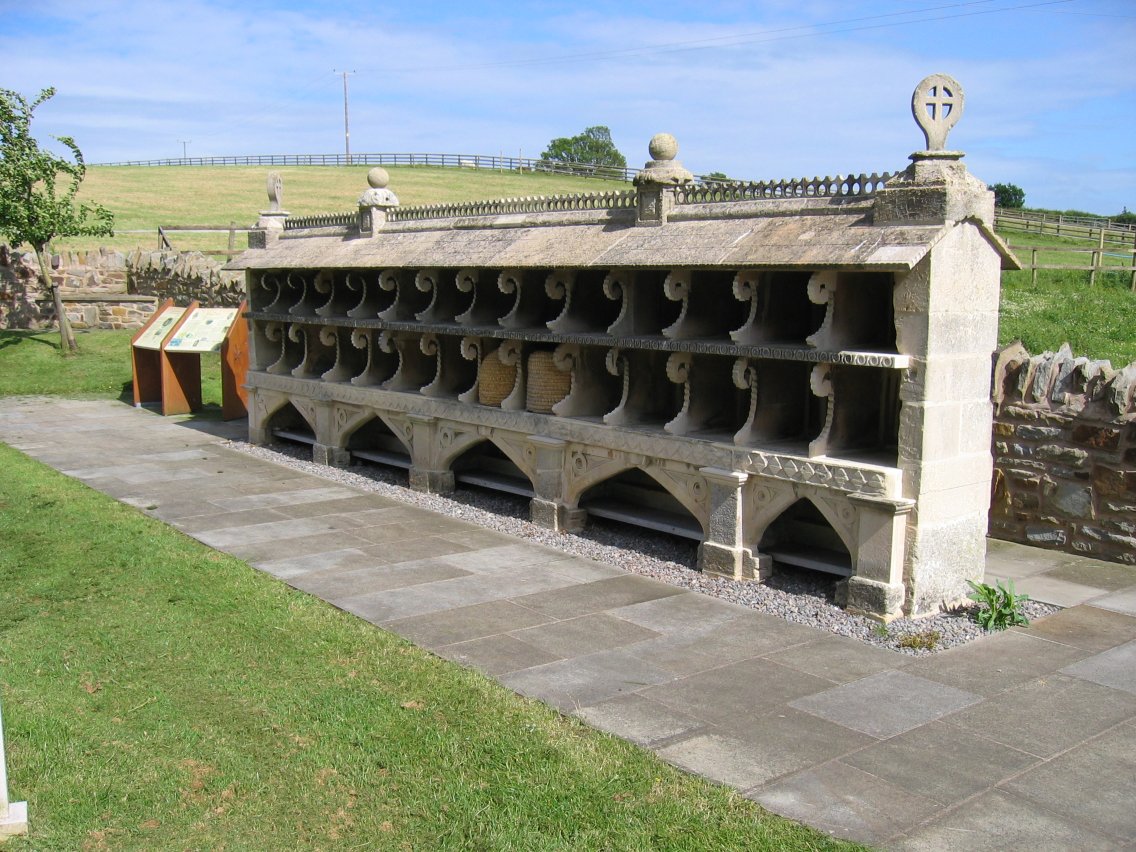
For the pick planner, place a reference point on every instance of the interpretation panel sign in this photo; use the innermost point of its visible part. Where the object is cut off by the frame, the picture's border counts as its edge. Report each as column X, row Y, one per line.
column 155, row 333
column 204, row 330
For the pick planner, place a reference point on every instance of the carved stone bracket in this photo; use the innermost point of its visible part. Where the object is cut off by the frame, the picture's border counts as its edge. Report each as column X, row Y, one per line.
column 820, row 383
column 415, row 368
column 336, row 303
column 378, row 367
column 303, row 305
column 702, row 390
column 560, row 285
column 317, row 355
column 637, row 314
column 444, row 298
column 694, row 318
column 451, row 373
column 407, row 300
column 485, row 305
column 589, row 395
column 370, row 301
column 511, row 353
column 822, row 291
column 526, row 309
column 348, row 363
column 639, row 399
column 273, row 286
column 749, row 286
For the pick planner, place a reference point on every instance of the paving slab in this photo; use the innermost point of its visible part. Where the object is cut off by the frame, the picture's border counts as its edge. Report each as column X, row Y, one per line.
column 1090, row 628
column 639, row 719
column 1123, row 601
column 585, row 634
column 580, row 681
column 886, row 703
column 1106, row 766
column 1115, row 668
column 465, row 623
column 848, row 803
column 1048, row 715
column 496, row 655
column 1002, row 821
column 334, row 585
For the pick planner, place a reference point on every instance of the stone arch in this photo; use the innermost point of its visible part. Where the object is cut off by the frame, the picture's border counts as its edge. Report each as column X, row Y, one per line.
column 354, row 433
column 685, row 500
column 514, row 459
column 830, row 528
column 279, row 409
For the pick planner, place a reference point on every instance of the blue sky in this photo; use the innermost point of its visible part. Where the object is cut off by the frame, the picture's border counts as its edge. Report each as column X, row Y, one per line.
column 758, row 90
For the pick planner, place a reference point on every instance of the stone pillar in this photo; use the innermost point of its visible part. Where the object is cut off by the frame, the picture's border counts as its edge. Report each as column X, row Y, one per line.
column 424, row 475
column 548, row 509
column 657, row 181
column 375, row 202
column 331, row 456
column 722, row 553
column 877, row 589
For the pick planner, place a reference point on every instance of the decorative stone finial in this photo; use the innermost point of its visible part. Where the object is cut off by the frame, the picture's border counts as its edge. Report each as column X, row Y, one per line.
column 937, row 105
column 663, row 169
column 275, row 192
column 374, row 202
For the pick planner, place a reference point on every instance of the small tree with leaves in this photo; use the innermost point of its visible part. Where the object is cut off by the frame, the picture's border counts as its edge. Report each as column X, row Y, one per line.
column 37, row 194
column 592, row 147
column 1009, row 195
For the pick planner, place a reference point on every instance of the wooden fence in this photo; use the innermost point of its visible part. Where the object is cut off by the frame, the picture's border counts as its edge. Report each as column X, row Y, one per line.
column 471, row 161
column 232, row 230
column 1100, row 261
column 1103, row 231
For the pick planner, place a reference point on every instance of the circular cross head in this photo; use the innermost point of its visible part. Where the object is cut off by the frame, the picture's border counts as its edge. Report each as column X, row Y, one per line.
column 663, row 147
column 378, row 177
column 937, row 106
column 275, row 191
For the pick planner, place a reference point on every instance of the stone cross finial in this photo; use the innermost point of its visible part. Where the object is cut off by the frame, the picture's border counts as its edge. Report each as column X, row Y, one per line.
column 937, row 105
column 275, row 192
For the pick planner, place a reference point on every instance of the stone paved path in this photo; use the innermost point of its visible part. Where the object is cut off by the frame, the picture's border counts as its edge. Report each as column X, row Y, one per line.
column 1024, row 740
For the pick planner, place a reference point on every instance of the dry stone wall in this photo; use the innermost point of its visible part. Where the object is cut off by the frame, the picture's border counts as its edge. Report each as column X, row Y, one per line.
column 1065, row 453
column 110, row 289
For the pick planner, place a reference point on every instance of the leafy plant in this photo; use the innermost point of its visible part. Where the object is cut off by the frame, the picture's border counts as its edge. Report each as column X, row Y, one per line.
column 999, row 606
column 592, row 147
column 1009, row 195
column 925, row 640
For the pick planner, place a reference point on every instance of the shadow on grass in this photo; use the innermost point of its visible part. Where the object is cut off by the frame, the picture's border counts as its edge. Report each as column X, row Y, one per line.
column 13, row 337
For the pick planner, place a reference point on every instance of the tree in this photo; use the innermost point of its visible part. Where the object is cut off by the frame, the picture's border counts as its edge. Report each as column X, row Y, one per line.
column 1008, row 195
column 37, row 194
column 592, row 147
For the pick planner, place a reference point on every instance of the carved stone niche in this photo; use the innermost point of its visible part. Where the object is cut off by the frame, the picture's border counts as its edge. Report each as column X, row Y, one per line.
column 778, row 401
column 646, row 396
column 301, row 288
column 408, row 300
column 705, row 381
column 378, row 365
column 415, row 368
column 584, row 305
column 290, row 351
column 777, row 307
column 349, row 361
column 858, row 311
column 487, row 304
column 643, row 309
column 370, row 299
column 319, row 356
column 704, row 307
column 445, row 298
column 862, row 420
column 531, row 306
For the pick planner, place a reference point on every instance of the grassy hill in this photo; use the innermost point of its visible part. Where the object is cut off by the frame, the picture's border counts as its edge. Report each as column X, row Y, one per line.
column 142, row 198
column 1099, row 322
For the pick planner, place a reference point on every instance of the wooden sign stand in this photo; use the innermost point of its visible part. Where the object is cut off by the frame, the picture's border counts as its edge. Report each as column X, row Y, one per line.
column 166, row 357
column 146, row 353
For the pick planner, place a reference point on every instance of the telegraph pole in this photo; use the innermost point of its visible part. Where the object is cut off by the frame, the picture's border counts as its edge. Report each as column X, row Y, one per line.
column 346, row 123
column 184, row 142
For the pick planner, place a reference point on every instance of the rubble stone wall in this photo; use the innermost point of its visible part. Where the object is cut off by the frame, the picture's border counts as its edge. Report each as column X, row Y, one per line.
column 1065, row 453
column 110, row 289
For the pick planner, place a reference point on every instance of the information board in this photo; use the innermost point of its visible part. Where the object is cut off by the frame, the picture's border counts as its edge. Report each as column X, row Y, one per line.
column 204, row 330
column 153, row 335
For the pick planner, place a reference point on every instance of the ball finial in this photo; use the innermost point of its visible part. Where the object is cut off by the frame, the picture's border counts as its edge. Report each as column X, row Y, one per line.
column 378, row 178
column 663, row 147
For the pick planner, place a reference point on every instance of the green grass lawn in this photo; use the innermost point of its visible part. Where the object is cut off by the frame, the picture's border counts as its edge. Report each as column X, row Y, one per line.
column 160, row 695
column 31, row 363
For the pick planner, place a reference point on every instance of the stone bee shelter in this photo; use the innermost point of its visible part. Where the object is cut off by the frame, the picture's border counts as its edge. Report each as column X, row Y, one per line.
column 792, row 372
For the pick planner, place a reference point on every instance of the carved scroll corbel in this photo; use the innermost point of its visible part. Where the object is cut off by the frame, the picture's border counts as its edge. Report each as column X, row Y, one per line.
column 443, row 306
column 525, row 312
column 511, row 353
column 749, row 286
column 346, row 364
column 820, row 382
column 702, row 393
column 406, row 299
column 377, row 369
column 335, row 304
column 369, row 303
column 270, row 301
column 414, row 368
column 692, row 320
column 588, row 395
column 560, row 286
column 471, row 350
column 639, row 396
column 450, row 373
column 302, row 307
column 745, row 378
column 619, row 286
column 822, row 291
column 306, row 337
column 275, row 333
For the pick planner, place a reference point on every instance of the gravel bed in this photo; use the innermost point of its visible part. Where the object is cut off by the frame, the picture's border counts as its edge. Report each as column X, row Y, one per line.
column 799, row 596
